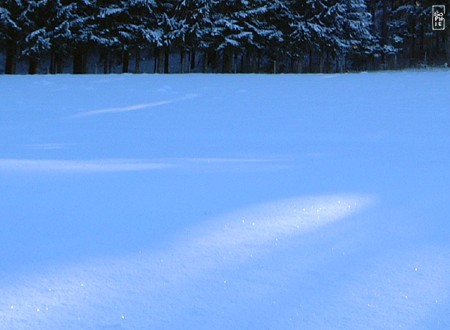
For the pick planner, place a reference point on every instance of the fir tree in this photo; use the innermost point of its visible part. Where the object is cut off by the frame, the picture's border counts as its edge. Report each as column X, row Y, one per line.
column 234, row 28
column 77, row 30
column 40, row 20
column 12, row 31
column 195, row 26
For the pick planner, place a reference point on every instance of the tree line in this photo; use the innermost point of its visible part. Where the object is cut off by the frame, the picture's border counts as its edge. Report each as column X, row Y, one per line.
column 219, row 35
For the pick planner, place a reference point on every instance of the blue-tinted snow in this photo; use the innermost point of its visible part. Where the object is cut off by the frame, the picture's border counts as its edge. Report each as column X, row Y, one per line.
column 220, row 202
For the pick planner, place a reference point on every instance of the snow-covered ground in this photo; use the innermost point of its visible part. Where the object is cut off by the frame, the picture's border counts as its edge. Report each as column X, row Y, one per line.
column 225, row 201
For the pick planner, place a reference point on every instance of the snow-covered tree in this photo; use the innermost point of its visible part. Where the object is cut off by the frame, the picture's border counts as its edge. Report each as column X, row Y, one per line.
column 106, row 34
column 402, row 27
column 141, row 28
column 169, row 29
column 311, row 34
column 194, row 29
column 409, row 28
column 268, row 27
column 353, row 30
column 12, row 31
column 278, row 20
column 334, row 28
column 77, row 29
column 40, row 21
column 236, row 27
column 239, row 35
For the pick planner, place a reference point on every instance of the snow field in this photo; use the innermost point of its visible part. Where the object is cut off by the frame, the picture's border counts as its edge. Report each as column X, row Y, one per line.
column 203, row 201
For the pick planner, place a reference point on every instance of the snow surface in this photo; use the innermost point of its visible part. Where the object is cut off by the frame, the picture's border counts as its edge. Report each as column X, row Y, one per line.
column 225, row 201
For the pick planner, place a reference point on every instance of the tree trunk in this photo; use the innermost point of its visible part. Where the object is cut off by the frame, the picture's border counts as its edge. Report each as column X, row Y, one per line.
column 258, row 65
column 192, row 65
column 105, row 62
column 447, row 43
column 413, row 43
column 110, row 61
column 321, row 62
column 291, row 65
column 79, row 65
column 137, row 61
column 422, row 43
column 11, row 58
column 155, row 64
column 189, row 61
column 310, row 60
column 160, row 60
column 227, row 61
column 59, row 63
column 125, row 61
column 56, row 62
column 205, row 61
column 301, row 60
column 254, row 59
column 182, row 59
column 33, row 65
column 52, row 66
column 166, row 59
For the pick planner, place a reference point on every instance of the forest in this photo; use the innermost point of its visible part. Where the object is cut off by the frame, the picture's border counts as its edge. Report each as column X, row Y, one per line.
column 212, row 36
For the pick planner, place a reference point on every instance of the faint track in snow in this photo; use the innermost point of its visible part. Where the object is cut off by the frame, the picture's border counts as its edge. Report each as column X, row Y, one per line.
column 134, row 107
column 65, row 166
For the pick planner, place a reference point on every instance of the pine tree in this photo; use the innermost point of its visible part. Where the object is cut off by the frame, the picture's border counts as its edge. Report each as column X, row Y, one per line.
column 239, row 35
column 235, row 25
column 402, row 28
column 194, row 30
column 310, row 34
column 107, row 32
column 269, row 36
column 77, row 29
column 141, row 29
column 353, row 31
column 12, row 31
column 294, row 30
column 332, row 29
column 168, row 28
column 410, row 29
column 40, row 23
